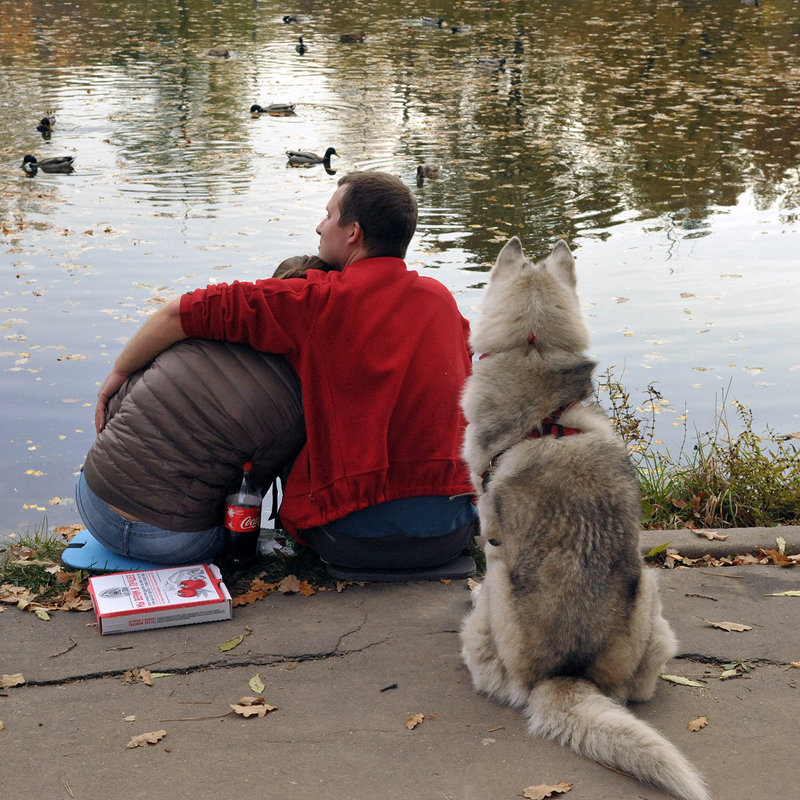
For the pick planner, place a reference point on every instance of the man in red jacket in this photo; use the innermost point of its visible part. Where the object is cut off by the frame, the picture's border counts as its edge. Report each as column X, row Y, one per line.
column 382, row 356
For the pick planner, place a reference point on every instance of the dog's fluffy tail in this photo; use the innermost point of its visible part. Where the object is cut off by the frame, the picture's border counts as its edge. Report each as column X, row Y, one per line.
column 574, row 712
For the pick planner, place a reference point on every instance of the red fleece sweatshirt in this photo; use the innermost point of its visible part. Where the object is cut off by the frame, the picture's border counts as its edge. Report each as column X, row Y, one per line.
column 382, row 355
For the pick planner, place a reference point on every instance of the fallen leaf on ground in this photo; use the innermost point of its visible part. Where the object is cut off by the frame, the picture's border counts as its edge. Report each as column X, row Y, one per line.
column 13, row 594
column 2, row 725
column 729, row 626
column 777, row 557
column 7, row 681
column 258, row 590
column 253, row 711
column 291, row 584
column 414, row 720
column 710, row 534
column 698, row 724
column 144, row 739
column 137, row 675
column 681, row 681
column 252, row 707
column 68, row 531
column 72, row 600
column 542, row 791
column 231, row 643
column 789, row 593
column 659, row 548
column 256, row 684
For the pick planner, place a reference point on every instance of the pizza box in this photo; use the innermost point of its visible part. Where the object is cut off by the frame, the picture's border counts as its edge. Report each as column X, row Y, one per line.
column 159, row 598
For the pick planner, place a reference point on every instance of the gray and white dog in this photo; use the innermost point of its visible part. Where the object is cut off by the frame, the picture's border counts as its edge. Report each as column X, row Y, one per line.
column 566, row 625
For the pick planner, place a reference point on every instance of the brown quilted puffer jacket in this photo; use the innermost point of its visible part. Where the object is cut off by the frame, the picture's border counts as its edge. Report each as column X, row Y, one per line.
column 181, row 429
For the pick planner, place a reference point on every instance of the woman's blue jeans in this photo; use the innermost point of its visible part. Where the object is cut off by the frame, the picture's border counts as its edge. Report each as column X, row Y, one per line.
column 142, row 540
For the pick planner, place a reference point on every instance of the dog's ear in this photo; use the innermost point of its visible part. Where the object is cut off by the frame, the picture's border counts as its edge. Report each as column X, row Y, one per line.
column 561, row 263
column 510, row 259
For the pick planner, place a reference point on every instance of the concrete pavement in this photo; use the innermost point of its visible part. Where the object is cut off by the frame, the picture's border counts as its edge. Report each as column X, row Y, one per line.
column 347, row 670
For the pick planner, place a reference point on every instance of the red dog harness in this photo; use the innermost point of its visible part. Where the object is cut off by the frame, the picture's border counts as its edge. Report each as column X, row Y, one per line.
column 550, row 426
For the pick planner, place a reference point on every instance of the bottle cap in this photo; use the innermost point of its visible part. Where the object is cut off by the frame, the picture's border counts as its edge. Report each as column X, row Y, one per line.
column 248, row 465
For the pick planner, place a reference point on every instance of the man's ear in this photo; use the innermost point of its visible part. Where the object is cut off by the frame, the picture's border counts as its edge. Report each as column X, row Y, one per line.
column 356, row 236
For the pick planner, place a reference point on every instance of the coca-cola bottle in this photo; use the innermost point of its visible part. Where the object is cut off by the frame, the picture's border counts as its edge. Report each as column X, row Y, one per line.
column 243, row 520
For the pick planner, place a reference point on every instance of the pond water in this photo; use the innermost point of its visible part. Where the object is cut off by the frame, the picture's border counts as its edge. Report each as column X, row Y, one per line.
column 660, row 139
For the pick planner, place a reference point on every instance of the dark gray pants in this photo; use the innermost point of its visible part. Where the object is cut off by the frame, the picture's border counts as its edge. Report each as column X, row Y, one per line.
column 390, row 552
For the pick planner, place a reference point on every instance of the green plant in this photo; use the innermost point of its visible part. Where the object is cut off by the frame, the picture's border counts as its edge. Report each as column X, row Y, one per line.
column 33, row 562
column 726, row 479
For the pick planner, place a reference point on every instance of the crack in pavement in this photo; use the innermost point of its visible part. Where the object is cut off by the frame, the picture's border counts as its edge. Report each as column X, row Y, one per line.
column 262, row 660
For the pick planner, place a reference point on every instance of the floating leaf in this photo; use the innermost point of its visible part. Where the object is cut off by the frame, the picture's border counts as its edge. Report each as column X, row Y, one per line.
column 231, row 643
column 144, row 739
column 729, row 626
column 7, row 681
column 543, row 790
column 256, row 684
column 698, row 724
column 414, row 720
column 681, row 681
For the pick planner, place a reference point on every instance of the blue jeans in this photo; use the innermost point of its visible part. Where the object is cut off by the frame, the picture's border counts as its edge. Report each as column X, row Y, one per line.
column 140, row 539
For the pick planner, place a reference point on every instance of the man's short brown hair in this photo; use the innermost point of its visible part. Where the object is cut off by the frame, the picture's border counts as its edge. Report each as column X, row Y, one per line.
column 385, row 209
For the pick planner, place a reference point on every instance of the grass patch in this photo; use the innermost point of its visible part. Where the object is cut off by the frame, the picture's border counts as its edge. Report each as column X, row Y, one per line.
column 32, row 577
column 726, row 479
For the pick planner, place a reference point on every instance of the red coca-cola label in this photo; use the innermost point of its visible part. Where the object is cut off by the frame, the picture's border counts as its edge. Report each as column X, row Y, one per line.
column 242, row 520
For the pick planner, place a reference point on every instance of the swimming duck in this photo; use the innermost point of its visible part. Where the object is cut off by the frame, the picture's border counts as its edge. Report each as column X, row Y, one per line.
column 274, row 109
column 290, row 18
column 437, row 21
column 352, row 37
column 300, row 158
column 427, row 171
column 61, row 164
column 45, row 125
column 218, row 52
column 496, row 63
column 300, row 47
column 460, row 28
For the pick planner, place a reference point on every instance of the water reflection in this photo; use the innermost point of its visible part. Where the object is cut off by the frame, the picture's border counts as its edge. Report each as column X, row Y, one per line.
column 660, row 139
